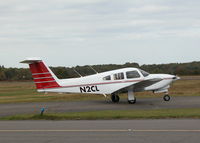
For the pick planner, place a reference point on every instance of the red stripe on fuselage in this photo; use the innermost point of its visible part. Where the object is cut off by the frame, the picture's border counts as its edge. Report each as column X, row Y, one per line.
column 102, row 83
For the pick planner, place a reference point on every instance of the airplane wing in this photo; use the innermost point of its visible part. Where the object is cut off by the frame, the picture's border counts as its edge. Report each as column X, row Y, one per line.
column 145, row 83
column 139, row 86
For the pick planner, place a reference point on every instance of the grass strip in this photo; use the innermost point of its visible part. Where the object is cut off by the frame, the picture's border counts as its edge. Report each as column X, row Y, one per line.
column 108, row 115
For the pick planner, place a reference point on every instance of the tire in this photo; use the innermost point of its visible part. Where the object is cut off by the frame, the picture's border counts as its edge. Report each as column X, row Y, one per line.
column 166, row 97
column 132, row 101
column 115, row 98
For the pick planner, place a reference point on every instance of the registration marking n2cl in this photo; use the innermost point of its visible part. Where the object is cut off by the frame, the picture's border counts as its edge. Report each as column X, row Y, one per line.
column 88, row 89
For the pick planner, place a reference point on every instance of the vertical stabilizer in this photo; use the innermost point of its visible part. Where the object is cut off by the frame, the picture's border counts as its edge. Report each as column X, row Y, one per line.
column 42, row 75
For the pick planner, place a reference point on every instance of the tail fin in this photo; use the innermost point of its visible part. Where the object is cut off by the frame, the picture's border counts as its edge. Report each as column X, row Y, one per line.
column 43, row 77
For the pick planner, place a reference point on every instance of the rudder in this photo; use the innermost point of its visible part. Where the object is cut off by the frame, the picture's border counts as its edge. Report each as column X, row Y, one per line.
column 43, row 77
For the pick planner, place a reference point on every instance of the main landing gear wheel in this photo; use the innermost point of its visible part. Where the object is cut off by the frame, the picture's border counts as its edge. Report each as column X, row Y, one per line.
column 115, row 98
column 166, row 97
column 132, row 101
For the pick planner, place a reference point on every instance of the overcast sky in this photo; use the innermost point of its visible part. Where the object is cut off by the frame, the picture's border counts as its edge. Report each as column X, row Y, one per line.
column 81, row 32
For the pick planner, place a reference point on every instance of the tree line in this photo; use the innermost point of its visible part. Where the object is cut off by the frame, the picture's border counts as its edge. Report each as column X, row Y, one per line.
column 22, row 74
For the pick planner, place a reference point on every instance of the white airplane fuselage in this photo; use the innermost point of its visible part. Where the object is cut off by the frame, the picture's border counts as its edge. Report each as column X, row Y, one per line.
column 95, row 83
column 111, row 82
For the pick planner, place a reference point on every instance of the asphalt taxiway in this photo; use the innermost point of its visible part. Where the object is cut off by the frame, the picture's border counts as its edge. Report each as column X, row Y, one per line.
column 106, row 131
column 81, row 106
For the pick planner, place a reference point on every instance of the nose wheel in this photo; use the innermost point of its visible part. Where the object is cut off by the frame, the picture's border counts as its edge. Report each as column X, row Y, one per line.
column 166, row 97
column 132, row 101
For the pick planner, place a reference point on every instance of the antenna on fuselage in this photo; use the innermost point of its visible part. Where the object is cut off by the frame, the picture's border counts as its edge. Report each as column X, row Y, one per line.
column 77, row 72
column 93, row 69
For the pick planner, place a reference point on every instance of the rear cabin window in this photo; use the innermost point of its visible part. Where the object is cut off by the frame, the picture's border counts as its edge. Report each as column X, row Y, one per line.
column 132, row 74
column 107, row 77
column 118, row 76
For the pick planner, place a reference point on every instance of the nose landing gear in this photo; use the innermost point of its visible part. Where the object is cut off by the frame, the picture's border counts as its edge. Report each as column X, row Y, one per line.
column 132, row 101
column 131, row 96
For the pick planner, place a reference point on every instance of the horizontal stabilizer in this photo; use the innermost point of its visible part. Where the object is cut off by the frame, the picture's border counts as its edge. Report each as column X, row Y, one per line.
column 31, row 60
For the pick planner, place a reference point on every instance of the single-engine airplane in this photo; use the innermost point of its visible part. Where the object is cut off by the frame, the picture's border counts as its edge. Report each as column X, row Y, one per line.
column 111, row 82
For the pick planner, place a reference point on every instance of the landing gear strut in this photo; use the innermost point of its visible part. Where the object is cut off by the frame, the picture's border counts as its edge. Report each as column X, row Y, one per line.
column 166, row 97
column 131, row 97
column 115, row 98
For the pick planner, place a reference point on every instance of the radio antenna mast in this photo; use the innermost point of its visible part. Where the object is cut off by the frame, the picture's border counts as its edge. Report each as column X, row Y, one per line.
column 77, row 72
column 93, row 69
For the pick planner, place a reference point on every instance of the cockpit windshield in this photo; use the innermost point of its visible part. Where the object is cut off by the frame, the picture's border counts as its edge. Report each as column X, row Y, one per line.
column 144, row 73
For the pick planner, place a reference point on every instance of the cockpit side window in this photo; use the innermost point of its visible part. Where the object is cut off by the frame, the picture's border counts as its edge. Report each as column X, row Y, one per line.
column 107, row 77
column 144, row 73
column 118, row 76
column 132, row 74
